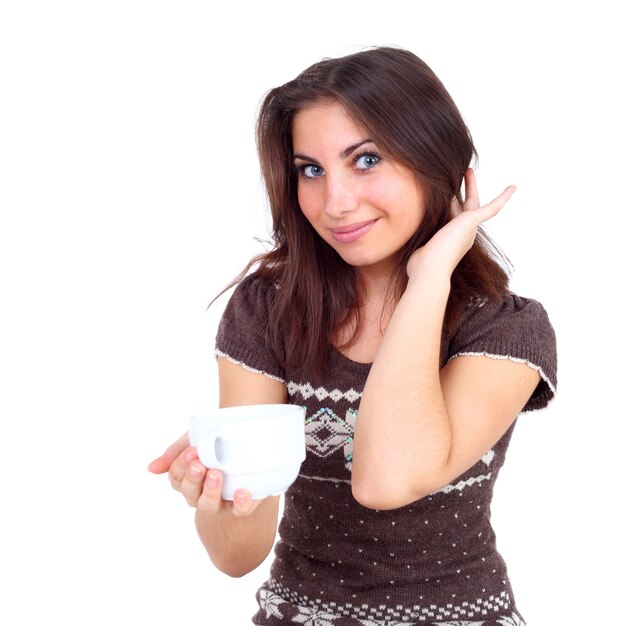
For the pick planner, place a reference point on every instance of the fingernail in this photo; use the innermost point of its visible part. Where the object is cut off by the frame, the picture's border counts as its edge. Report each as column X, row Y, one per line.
column 195, row 469
column 241, row 497
column 211, row 480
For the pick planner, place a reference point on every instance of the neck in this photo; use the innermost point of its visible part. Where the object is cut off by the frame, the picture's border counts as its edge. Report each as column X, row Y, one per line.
column 376, row 283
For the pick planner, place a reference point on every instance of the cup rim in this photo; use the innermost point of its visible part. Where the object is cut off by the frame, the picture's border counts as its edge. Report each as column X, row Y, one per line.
column 240, row 413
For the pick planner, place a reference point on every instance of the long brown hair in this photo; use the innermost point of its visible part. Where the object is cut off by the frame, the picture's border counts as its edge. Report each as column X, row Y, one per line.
column 407, row 112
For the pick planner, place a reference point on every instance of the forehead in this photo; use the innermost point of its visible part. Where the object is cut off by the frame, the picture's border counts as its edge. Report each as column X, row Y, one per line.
column 324, row 123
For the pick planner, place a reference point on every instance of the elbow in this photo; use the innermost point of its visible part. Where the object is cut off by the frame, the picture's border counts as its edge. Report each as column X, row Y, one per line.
column 384, row 497
column 370, row 499
column 390, row 491
column 235, row 573
column 234, row 570
column 375, row 487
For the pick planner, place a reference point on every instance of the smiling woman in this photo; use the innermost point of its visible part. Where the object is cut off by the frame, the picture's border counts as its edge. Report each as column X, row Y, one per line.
column 384, row 108
column 381, row 309
column 364, row 206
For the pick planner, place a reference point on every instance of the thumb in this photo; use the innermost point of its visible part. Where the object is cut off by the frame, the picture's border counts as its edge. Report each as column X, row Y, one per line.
column 162, row 464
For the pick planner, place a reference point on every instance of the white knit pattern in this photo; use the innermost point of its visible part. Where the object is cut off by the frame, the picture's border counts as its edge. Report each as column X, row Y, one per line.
column 306, row 390
column 319, row 613
column 326, row 432
column 507, row 357
column 247, row 367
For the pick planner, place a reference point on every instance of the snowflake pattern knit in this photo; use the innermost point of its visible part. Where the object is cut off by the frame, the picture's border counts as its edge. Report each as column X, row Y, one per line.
column 434, row 561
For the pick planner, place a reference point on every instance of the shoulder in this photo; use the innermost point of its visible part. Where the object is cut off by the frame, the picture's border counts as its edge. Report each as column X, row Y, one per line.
column 243, row 331
column 253, row 295
column 506, row 321
column 515, row 328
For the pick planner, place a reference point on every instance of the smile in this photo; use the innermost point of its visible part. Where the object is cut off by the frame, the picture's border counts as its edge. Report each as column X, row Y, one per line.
column 352, row 232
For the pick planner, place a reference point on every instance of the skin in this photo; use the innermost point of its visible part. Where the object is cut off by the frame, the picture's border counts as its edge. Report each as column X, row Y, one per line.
column 418, row 427
column 345, row 180
column 237, row 535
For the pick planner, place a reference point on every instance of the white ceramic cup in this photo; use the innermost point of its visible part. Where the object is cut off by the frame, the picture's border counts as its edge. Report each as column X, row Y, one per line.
column 257, row 447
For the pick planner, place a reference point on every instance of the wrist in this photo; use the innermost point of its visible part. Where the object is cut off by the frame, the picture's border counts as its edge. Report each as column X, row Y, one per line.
column 431, row 277
column 424, row 265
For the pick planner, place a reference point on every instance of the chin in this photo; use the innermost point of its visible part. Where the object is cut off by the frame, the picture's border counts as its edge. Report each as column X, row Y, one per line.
column 372, row 264
column 358, row 261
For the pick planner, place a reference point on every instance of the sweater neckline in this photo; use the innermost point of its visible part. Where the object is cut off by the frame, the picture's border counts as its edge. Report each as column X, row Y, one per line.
column 355, row 364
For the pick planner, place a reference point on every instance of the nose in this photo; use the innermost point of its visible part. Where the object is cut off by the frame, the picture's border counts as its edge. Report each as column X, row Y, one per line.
column 341, row 195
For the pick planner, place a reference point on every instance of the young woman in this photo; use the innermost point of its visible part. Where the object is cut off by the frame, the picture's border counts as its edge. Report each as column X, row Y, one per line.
column 382, row 309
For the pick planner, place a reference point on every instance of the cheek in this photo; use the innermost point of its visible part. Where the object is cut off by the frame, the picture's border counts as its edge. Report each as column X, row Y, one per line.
column 402, row 200
column 306, row 200
column 410, row 214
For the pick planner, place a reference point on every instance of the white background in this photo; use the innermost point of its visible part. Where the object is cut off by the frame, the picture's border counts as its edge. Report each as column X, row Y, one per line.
column 130, row 195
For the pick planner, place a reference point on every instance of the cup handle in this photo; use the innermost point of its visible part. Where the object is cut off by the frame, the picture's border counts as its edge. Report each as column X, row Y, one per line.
column 206, row 450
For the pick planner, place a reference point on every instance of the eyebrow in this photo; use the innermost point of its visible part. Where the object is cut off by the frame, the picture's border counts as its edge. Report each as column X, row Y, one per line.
column 344, row 154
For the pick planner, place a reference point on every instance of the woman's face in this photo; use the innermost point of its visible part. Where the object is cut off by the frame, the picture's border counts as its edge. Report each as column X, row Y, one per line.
column 361, row 203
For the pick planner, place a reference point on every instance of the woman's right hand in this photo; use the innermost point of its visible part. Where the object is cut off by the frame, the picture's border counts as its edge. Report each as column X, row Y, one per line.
column 201, row 487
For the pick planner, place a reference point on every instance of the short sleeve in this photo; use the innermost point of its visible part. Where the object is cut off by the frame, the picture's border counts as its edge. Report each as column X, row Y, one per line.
column 513, row 328
column 242, row 332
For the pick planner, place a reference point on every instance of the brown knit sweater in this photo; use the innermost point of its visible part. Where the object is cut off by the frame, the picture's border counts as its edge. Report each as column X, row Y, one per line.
column 434, row 561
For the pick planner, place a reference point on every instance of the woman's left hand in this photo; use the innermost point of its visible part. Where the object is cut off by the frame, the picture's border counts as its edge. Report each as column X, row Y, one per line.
column 450, row 244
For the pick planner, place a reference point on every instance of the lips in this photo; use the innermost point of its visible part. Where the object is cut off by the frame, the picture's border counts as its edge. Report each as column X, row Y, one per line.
column 352, row 232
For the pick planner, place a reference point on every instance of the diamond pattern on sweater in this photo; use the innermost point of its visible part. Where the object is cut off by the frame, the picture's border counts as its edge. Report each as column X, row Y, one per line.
column 306, row 391
column 326, row 432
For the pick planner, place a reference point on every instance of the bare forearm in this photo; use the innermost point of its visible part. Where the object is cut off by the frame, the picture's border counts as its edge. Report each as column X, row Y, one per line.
column 237, row 545
column 402, row 436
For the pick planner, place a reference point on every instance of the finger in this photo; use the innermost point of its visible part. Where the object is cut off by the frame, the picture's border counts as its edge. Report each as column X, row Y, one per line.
column 472, row 201
column 243, row 504
column 455, row 208
column 210, row 499
column 163, row 463
column 180, row 467
column 486, row 212
column 497, row 203
column 193, row 482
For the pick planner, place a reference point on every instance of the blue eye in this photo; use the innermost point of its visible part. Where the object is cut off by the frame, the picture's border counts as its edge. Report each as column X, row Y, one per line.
column 312, row 171
column 366, row 161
